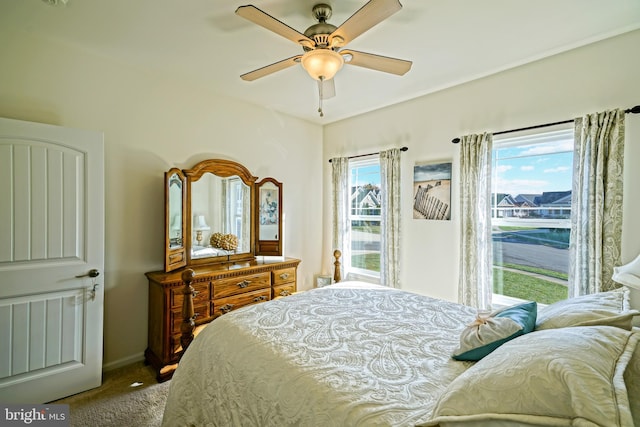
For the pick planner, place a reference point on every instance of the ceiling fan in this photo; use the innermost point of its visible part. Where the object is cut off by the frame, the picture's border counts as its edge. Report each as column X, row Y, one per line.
column 323, row 44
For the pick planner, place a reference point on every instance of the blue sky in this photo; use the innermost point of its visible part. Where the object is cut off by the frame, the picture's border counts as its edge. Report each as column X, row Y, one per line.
column 432, row 171
column 533, row 169
column 366, row 175
column 525, row 169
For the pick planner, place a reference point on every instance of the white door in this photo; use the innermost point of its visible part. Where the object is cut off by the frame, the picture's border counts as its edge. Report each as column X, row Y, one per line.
column 51, row 234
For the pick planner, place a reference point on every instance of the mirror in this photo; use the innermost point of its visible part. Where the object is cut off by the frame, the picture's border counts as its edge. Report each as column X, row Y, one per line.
column 174, row 219
column 215, row 212
column 269, row 217
column 220, row 212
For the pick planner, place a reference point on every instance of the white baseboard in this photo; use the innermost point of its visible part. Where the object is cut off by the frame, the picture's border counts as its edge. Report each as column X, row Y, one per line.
column 122, row 362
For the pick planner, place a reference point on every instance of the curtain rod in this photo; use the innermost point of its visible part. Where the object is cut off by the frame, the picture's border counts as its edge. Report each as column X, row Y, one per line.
column 633, row 110
column 370, row 154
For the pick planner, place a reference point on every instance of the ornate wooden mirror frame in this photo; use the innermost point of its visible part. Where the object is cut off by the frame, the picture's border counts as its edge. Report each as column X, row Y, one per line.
column 182, row 230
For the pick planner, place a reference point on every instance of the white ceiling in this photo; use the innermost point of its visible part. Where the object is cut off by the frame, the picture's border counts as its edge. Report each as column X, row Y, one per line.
column 203, row 41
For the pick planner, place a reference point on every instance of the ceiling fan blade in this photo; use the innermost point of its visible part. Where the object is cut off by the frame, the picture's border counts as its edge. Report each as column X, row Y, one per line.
column 372, row 13
column 376, row 62
column 270, row 69
column 327, row 88
column 267, row 21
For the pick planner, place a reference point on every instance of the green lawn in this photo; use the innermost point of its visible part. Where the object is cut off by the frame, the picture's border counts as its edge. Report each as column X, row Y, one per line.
column 526, row 287
column 505, row 282
column 366, row 261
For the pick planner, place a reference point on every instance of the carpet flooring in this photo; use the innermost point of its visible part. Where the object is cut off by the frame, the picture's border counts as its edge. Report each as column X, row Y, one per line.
column 128, row 396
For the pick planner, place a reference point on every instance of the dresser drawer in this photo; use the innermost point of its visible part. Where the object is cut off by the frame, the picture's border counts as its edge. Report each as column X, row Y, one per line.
column 201, row 312
column 201, row 291
column 227, row 287
column 225, row 305
column 284, row 275
column 283, row 290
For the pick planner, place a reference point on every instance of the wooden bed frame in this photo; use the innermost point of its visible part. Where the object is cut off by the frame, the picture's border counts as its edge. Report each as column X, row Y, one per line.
column 188, row 315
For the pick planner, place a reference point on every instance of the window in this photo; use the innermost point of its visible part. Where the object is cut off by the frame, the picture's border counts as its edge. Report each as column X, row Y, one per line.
column 235, row 208
column 531, row 211
column 364, row 217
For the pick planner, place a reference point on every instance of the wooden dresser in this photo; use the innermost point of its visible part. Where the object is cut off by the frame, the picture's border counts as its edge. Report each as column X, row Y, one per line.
column 217, row 290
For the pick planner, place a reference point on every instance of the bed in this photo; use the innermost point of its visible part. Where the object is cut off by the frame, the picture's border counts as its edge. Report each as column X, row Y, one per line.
column 354, row 354
column 208, row 251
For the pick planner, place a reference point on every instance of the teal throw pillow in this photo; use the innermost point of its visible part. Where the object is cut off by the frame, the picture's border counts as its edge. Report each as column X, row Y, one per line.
column 489, row 332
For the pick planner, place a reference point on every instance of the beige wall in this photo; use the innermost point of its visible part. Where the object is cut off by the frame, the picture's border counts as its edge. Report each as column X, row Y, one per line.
column 593, row 78
column 151, row 123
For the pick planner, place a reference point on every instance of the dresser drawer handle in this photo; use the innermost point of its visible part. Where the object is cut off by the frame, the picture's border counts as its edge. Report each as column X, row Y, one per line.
column 195, row 293
column 260, row 298
column 284, row 276
column 244, row 283
column 196, row 314
column 285, row 293
column 226, row 308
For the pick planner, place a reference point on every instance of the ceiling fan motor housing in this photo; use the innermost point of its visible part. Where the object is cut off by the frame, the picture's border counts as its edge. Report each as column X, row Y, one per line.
column 322, row 12
column 320, row 32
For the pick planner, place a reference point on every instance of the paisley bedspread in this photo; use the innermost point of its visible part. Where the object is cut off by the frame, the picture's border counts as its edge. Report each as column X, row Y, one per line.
column 348, row 354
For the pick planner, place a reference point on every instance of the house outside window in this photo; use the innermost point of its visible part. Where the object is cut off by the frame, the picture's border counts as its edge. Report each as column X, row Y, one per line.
column 364, row 217
column 531, row 210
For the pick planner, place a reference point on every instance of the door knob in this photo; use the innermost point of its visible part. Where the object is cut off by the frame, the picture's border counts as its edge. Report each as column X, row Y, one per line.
column 92, row 273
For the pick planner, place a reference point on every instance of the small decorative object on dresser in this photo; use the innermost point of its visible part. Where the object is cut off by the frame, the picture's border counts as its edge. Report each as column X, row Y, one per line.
column 323, row 280
column 208, row 276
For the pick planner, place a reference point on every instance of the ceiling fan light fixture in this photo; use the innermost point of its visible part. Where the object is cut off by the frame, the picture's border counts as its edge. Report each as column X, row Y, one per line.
column 322, row 64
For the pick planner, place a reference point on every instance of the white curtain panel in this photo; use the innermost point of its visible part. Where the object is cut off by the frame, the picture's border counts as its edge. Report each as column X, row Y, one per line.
column 596, row 202
column 476, row 257
column 340, row 182
column 390, row 218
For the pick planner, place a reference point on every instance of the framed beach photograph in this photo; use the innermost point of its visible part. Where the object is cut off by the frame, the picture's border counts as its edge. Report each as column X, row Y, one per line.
column 432, row 191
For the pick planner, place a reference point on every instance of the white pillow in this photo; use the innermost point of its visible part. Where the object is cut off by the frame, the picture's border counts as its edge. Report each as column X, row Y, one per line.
column 603, row 308
column 560, row 377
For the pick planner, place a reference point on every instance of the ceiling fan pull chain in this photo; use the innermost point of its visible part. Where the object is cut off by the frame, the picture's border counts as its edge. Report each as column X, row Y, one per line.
column 320, row 86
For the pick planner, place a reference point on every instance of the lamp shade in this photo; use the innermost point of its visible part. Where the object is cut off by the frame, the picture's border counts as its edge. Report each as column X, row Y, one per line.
column 322, row 64
column 200, row 223
column 176, row 222
column 628, row 274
